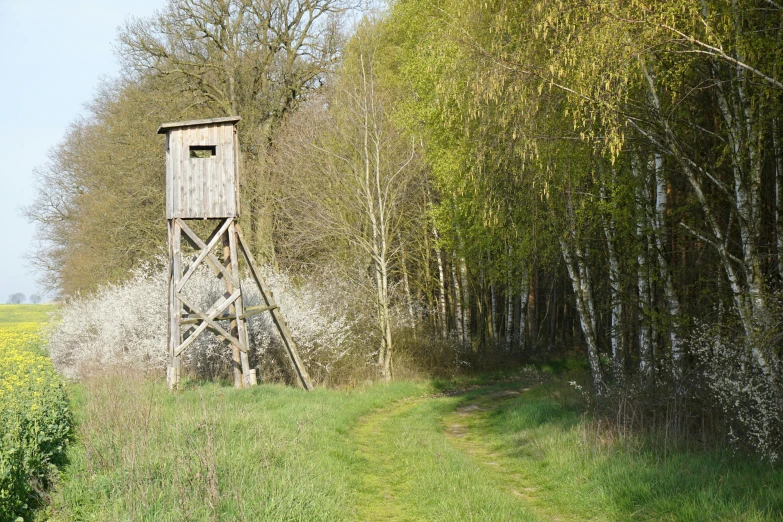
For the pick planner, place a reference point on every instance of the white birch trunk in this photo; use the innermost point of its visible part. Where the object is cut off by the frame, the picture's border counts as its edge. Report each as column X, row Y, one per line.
column 577, row 271
column 643, row 273
column 673, row 302
column 459, row 321
column 740, row 295
column 406, row 285
column 493, row 312
column 463, row 274
column 524, row 297
column 616, row 330
column 509, row 304
column 444, row 326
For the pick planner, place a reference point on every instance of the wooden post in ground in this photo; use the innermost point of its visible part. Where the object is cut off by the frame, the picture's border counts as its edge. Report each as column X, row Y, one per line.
column 175, row 307
column 235, row 351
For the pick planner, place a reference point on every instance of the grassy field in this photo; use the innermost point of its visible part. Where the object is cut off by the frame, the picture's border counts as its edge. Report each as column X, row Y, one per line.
column 506, row 451
column 25, row 313
column 510, row 447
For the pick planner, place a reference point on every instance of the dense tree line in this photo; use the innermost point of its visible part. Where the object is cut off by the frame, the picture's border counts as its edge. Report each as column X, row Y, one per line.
column 518, row 177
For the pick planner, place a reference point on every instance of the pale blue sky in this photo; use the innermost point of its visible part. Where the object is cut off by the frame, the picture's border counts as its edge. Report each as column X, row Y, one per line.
column 55, row 54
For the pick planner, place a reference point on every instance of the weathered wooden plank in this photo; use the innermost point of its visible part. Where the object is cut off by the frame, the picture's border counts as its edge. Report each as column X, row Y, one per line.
column 175, row 332
column 208, row 320
column 232, row 196
column 236, row 363
column 202, row 187
column 250, row 311
column 213, row 261
column 216, row 309
column 169, row 183
column 239, row 305
column 165, row 127
column 277, row 318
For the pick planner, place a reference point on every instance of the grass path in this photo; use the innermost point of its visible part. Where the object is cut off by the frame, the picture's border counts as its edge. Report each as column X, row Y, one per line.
column 421, row 461
column 384, row 484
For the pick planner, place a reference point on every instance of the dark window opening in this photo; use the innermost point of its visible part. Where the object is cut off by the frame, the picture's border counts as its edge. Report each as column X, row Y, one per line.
column 202, row 151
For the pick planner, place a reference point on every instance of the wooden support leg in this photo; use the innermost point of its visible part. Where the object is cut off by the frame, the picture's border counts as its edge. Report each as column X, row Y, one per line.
column 236, row 353
column 303, row 378
column 175, row 307
column 248, row 376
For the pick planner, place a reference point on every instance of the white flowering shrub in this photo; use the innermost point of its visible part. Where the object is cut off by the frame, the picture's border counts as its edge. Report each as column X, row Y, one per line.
column 125, row 326
column 751, row 401
column 120, row 326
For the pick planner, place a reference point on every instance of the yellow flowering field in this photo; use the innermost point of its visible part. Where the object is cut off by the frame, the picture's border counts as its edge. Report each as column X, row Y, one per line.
column 35, row 422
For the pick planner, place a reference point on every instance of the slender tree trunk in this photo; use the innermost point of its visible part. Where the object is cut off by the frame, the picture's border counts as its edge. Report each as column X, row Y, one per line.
column 441, row 288
column 463, row 274
column 579, row 275
column 405, row 284
column 616, row 329
column 524, row 297
column 458, row 317
column 777, row 152
column 644, row 309
column 745, row 310
column 673, row 302
column 509, row 303
column 745, row 156
column 493, row 312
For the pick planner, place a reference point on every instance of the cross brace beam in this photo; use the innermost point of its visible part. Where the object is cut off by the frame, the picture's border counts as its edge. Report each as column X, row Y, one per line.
column 229, row 307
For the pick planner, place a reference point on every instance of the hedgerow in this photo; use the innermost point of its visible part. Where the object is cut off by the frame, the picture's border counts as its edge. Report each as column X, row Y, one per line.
column 124, row 326
column 35, row 422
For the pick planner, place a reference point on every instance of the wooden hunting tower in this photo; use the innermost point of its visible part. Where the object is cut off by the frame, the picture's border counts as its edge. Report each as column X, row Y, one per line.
column 202, row 182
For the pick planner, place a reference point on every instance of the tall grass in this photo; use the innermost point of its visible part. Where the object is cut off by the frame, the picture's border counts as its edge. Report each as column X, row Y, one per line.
column 508, row 450
column 211, row 452
column 581, row 467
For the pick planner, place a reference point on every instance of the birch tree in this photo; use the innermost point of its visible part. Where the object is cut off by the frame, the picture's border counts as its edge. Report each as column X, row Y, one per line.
column 358, row 191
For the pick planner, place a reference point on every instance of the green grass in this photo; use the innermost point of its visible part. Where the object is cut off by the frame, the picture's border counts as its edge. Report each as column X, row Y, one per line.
column 25, row 313
column 503, row 449
column 412, row 472
column 214, row 453
column 569, row 467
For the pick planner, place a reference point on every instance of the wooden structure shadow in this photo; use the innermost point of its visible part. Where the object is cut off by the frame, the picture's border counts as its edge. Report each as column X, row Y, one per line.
column 202, row 180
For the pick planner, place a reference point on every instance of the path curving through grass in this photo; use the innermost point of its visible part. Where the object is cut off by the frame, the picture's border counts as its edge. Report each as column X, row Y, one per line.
column 520, row 452
column 418, row 463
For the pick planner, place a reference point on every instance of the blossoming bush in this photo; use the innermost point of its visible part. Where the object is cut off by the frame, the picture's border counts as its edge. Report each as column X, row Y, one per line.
column 125, row 326
column 751, row 401
column 35, row 422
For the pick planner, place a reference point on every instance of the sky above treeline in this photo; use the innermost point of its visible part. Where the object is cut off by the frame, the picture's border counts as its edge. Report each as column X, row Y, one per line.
column 56, row 53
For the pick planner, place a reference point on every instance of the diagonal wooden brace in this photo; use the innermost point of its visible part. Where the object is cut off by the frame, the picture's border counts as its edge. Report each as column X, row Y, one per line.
column 208, row 321
column 277, row 317
column 213, row 261
column 205, row 252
